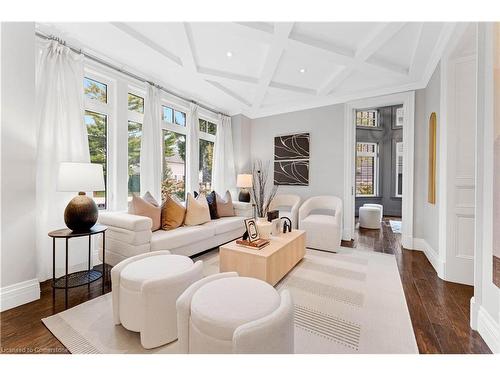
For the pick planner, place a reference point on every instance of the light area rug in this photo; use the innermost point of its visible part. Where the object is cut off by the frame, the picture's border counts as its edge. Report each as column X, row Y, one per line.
column 349, row 302
column 395, row 226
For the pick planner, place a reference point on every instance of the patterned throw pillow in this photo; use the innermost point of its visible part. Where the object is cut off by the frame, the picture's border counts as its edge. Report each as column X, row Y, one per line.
column 197, row 211
column 172, row 213
column 212, row 204
column 148, row 207
column 224, row 205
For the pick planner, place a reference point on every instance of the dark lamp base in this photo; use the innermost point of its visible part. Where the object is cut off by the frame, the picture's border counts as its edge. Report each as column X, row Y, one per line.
column 244, row 195
column 81, row 213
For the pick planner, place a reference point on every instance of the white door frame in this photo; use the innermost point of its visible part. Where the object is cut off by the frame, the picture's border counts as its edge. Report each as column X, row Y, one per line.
column 408, row 101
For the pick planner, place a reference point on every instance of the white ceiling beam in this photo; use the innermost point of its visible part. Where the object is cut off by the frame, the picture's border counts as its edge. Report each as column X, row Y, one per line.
column 377, row 39
column 298, row 89
column 186, row 46
column 209, row 72
column 281, row 34
column 335, row 80
column 146, row 41
column 229, row 92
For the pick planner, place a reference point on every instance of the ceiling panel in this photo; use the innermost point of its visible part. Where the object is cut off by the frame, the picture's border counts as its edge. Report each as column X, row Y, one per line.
column 263, row 75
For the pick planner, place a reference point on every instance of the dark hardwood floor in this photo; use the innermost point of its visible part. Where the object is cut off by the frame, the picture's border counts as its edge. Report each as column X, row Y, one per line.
column 439, row 310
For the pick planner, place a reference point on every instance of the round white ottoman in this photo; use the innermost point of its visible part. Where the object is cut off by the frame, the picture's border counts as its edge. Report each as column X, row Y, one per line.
column 376, row 205
column 369, row 217
column 224, row 310
column 147, row 292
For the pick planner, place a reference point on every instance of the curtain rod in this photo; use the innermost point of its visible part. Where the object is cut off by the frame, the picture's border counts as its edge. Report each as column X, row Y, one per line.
column 123, row 71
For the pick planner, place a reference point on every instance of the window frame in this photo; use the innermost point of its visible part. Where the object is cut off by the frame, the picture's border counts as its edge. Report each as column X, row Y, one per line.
column 396, row 179
column 209, row 138
column 376, row 165
column 107, row 109
column 377, row 119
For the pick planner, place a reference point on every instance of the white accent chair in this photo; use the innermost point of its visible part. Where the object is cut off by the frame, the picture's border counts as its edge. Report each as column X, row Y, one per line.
column 378, row 206
column 323, row 231
column 369, row 217
column 224, row 313
column 288, row 205
column 145, row 289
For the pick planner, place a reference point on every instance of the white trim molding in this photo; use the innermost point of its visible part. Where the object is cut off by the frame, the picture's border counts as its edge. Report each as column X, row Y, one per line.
column 486, row 325
column 18, row 294
column 408, row 100
column 431, row 254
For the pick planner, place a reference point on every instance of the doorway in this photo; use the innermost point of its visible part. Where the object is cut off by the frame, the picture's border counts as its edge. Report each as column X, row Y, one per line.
column 404, row 183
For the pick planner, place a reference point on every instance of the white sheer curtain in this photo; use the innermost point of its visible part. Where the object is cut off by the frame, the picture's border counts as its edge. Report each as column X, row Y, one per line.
column 224, row 173
column 150, row 158
column 61, row 136
column 193, row 149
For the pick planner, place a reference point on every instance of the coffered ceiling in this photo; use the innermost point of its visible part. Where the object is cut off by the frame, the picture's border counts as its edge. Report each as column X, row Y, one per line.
column 259, row 68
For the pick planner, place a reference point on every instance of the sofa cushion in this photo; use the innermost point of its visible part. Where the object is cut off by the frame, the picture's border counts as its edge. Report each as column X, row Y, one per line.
column 172, row 213
column 224, row 205
column 129, row 236
column 197, row 211
column 221, row 306
column 151, row 268
column 182, row 236
column 212, row 204
column 228, row 224
column 142, row 207
column 319, row 220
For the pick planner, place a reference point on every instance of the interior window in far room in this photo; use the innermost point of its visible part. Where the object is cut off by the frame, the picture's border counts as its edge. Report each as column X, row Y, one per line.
column 366, row 169
column 367, row 118
column 399, row 169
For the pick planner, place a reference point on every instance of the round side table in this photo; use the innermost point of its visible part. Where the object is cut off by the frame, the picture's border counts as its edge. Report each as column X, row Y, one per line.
column 79, row 278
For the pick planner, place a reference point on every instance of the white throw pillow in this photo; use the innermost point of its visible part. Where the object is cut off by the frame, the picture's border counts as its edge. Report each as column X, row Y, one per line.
column 197, row 211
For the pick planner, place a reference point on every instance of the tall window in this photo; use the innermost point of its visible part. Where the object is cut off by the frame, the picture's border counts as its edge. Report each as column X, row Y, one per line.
column 367, row 118
column 174, row 164
column 174, row 153
column 96, row 120
column 135, row 119
column 207, row 141
column 399, row 169
column 366, row 169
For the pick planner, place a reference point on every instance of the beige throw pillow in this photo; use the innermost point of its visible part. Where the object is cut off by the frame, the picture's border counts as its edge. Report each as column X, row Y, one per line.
column 140, row 206
column 197, row 211
column 224, row 205
column 172, row 213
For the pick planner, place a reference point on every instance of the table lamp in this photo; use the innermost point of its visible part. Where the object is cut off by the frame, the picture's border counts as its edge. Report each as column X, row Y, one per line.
column 81, row 212
column 244, row 182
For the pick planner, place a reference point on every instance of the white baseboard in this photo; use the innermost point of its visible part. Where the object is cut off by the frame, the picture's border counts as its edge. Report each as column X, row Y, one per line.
column 487, row 327
column 431, row 254
column 18, row 294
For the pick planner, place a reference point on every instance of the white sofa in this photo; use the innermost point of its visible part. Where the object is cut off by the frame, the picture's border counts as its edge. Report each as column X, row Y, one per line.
column 288, row 206
column 145, row 289
column 129, row 235
column 224, row 313
column 323, row 231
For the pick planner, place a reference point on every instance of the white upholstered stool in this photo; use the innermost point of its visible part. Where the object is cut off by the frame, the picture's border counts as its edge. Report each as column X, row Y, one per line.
column 369, row 217
column 145, row 289
column 376, row 205
column 224, row 313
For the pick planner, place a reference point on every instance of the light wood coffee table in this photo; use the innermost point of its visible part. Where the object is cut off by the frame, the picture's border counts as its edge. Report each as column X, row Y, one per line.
column 270, row 263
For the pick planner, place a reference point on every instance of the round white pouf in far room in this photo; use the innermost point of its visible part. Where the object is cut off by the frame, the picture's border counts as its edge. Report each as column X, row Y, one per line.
column 145, row 290
column 369, row 217
column 225, row 313
column 376, row 205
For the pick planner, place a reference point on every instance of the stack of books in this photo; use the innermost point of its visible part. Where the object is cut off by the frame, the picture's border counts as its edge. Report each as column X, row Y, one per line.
column 256, row 245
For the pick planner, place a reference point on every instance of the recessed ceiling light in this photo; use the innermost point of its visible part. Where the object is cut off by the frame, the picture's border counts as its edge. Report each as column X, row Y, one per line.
column 229, row 54
column 302, row 70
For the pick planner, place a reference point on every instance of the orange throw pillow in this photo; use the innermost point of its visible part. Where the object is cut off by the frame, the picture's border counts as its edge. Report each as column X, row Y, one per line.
column 172, row 214
column 140, row 206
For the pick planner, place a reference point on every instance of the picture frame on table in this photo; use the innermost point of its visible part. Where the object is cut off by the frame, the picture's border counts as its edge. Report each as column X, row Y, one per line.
column 253, row 232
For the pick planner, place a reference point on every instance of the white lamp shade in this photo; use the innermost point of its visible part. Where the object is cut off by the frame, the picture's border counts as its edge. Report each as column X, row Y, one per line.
column 244, row 181
column 80, row 177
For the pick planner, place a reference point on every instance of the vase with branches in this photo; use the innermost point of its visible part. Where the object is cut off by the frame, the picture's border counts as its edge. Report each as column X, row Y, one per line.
column 262, row 193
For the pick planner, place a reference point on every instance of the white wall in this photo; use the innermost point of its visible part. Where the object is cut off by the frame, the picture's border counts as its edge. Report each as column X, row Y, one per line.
column 326, row 128
column 18, row 142
column 425, row 215
column 241, row 126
